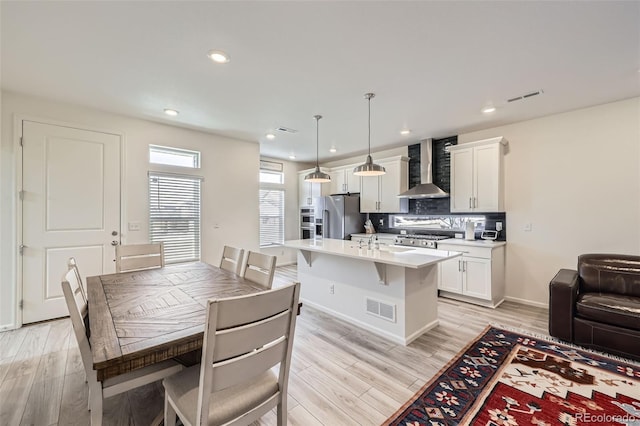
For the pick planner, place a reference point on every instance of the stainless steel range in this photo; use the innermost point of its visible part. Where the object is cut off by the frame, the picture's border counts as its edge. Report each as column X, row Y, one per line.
column 424, row 241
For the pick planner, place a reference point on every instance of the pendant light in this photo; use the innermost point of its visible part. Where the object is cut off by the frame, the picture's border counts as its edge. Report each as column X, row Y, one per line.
column 317, row 176
column 369, row 168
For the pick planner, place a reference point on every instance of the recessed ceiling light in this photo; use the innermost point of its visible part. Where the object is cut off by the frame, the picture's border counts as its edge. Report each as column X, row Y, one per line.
column 405, row 132
column 488, row 109
column 292, row 157
column 171, row 112
column 333, row 149
column 218, row 56
column 270, row 136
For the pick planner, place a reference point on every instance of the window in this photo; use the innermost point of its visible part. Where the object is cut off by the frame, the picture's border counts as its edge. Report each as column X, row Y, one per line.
column 271, row 217
column 174, row 156
column 271, row 203
column 174, row 215
column 271, row 177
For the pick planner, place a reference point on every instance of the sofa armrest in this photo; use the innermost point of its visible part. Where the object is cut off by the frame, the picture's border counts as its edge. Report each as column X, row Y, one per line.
column 563, row 293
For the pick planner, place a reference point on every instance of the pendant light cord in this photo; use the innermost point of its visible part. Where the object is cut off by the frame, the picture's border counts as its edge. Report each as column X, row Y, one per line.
column 369, row 126
column 317, row 140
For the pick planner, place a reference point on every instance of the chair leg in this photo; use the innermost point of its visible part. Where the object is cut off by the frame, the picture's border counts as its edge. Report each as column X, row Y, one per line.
column 282, row 411
column 169, row 412
column 96, row 404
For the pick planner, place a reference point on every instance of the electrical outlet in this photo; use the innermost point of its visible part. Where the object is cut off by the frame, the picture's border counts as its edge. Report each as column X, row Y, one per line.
column 403, row 232
column 528, row 226
column 381, row 222
column 498, row 226
column 332, row 288
column 134, row 226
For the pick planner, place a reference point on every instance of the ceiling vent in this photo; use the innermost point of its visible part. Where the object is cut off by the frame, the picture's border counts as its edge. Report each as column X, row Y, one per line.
column 286, row 130
column 528, row 95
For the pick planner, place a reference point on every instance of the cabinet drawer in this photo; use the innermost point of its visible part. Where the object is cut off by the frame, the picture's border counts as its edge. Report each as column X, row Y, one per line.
column 467, row 251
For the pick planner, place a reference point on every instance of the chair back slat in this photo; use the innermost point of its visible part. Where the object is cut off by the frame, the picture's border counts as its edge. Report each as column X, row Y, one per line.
column 250, row 308
column 243, row 368
column 232, row 259
column 136, row 257
column 240, row 340
column 72, row 265
column 260, row 268
column 77, row 307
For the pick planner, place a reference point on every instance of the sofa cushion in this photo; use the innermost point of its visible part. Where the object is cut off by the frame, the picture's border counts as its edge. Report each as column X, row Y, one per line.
column 608, row 308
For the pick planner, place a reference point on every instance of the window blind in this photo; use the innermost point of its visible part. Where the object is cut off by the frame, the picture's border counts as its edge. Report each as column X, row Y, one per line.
column 271, row 216
column 174, row 215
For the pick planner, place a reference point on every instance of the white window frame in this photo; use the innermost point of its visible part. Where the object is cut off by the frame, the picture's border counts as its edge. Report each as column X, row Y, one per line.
column 167, row 150
column 270, row 186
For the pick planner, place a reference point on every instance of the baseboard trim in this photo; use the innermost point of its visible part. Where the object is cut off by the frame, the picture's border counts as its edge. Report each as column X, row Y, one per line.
column 374, row 330
column 527, row 302
column 7, row 327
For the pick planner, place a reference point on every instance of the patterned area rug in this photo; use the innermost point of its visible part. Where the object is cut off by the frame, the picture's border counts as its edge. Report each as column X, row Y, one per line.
column 503, row 378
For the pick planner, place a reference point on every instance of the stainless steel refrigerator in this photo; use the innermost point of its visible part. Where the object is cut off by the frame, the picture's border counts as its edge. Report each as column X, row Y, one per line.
column 338, row 216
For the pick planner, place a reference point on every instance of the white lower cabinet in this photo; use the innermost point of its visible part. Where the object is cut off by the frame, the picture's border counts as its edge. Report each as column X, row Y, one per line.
column 476, row 277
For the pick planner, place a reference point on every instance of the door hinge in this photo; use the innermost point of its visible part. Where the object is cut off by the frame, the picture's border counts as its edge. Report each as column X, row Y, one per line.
column 21, row 141
column 21, row 304
column 21, row 248
column 21, row 195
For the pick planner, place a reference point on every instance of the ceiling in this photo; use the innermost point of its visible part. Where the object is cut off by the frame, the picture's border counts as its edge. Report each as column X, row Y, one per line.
column 432, row 65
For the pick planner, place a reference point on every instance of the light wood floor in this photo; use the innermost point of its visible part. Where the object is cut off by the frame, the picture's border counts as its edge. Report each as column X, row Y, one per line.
column 340, row 374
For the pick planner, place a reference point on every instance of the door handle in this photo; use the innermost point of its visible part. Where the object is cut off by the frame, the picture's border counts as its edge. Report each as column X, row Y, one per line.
column 115, row 243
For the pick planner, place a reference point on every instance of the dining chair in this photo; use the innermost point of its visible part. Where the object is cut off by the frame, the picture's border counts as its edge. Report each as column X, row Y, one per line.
column 259, row 268
column 244, row 338
column 77, row 306
column 137, row 257
column 232, row 259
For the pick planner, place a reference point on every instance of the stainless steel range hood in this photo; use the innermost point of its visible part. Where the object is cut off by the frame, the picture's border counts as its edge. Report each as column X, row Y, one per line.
column 426, row 188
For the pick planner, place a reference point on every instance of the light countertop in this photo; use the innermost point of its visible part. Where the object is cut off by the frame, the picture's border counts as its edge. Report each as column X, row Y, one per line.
column 407, row 257
column 473, row 243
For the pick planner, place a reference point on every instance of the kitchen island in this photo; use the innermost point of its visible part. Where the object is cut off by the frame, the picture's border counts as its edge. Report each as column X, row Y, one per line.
column 391, row 291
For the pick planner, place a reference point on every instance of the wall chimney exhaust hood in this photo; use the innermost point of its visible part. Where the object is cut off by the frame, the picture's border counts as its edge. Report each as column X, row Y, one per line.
column 426, row 188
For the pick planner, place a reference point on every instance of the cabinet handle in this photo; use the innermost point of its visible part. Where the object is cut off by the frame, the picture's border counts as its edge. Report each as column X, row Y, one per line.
column 470, row 202
column 464, row 266
column 475, row 202
column 459, row 268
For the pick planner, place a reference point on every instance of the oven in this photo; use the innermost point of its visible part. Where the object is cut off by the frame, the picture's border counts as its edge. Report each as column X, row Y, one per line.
column 307, row 228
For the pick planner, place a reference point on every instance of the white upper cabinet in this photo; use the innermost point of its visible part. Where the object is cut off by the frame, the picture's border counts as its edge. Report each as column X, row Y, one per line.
column 477, row 176
column 379, row 194
column 343, row 180
column 307, row 191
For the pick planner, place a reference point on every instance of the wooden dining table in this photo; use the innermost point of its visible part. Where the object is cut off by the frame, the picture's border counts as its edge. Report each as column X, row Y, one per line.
column 140, row 318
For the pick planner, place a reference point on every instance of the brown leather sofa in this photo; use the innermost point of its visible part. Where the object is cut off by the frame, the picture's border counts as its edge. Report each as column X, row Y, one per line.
column 598, row 305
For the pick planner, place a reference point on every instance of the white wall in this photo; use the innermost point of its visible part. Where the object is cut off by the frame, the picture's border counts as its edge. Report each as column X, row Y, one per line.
column 229, row 192
column 576, row 178
column 376, row 155
column 287, row 256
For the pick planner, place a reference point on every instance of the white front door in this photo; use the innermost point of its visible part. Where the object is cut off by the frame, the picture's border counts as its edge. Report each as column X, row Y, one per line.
column 70, row 207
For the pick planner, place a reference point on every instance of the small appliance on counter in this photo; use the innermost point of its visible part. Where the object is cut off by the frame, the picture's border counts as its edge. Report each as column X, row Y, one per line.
column 489, row 235
column 470, row 231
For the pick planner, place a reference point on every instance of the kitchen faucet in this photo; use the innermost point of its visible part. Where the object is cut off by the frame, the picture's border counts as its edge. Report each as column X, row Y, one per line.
column 371, row 243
